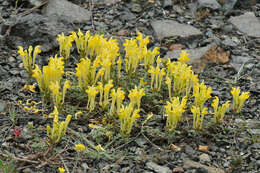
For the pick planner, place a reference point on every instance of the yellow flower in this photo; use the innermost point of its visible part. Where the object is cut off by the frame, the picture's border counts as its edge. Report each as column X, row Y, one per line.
column 30, row 88
column 26, row 108
column 61, row 170
column 184, row 57
column 219, row 111
column 99, row 148
column 79, row 148
column 92, row 92
column 239, row 100
column 135, row 96
column 198, row 116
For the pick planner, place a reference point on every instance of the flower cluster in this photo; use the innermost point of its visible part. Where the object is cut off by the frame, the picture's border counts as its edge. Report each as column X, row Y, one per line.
column 51, row 73
column 181, row 75
column 99, row 75
column 58, row 129
column 239, row 100
column 174, row 111
column 28, row 57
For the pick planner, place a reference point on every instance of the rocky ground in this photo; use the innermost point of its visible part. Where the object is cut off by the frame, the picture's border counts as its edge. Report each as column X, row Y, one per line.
column 223, row 38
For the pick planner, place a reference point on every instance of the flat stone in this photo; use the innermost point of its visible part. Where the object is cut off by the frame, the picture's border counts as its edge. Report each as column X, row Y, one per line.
column 204, row 158
column 157, row 168
column 167, row 3
column 3, row 106
column 238, row 61
column 68, row 11
column 189, row 164
column 170, row 28
column 247, row 23
column 213, row 4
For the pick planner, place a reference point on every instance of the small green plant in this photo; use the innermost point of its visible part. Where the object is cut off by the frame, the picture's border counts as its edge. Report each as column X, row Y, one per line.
column 239, row 100
column 7, row 166
column 13, row 115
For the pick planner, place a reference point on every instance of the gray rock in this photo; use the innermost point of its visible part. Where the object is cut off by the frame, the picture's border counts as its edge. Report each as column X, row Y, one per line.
column 204, row 158
column 167, row 3
column 229, row 42
column 189, row 164
column 157, row 168
column 256, row 145
column 228, row 28
column 136, row 8
column 213, row 4
column 35, row 2
column 170, row 28
column 189, row 150
column 247, row 23
column 36, row 29
column 257, row 163
column 62, row 9
column 228, row 6
column 3, row 106
column 238, row 61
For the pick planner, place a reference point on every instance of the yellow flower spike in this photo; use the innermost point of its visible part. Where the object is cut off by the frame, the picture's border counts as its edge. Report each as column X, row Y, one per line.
column 65, row 43
column 219, row 111
column 99, row 148
column 198, row 116
column 135, row 96
column 50, row 73
column 66, row 86
column 20, row 102
column 238, row 100
column 79, row 148
column 119, row 64
column 58, row 129
column 100, row 74
column 79, row 113
column 161, row 74
column 152, row 72
column 174, row 111
column 113, row 95
column 201, row 94
column 127, row 115
column 57, row 96
column 55, row 112
column 26, row 108
column 119, row 99
column 168, row 82
column 184, row 56
column 61, row 170
column 107, row 88
column 106, row 64
column 142, row 42
column 109, row 134
column 35, row 110
column 92, row 92
column 29, row 59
